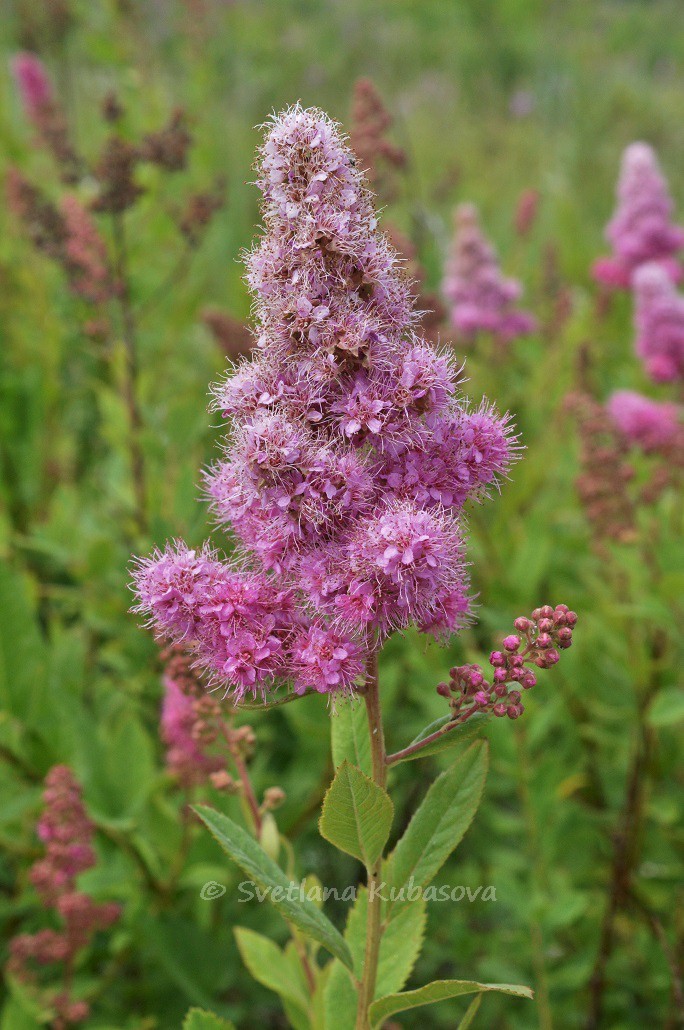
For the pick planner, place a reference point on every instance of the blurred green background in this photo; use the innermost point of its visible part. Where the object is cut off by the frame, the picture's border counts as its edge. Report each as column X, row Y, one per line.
column 489, row 97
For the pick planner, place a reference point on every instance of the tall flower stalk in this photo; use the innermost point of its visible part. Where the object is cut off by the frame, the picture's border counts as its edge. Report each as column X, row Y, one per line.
column 349, row 458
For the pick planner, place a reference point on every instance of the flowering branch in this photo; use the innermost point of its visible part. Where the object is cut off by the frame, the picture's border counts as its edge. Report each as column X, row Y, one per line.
column 543, row 634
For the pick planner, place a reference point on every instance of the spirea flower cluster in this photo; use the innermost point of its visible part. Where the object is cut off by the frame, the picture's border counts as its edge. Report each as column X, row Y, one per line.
column 66, row 832
column 659, row 321
column 641, row 229
column 349, row 452
column 481, row 298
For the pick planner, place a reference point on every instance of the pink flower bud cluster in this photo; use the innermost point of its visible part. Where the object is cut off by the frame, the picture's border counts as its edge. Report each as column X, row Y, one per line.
column 659, row 321
column 350, row 454
column 481, row 298
column 641, row 229
column 646, row 424
column 538, row 641
column 66, row 832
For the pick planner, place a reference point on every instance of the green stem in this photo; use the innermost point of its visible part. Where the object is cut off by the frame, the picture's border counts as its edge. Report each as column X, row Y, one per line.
column 537, row 874
column 130, row 382
column 374, row 872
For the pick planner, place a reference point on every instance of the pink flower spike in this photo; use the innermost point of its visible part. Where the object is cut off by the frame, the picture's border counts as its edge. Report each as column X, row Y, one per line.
column 641, row 229
column 33, row 83
column 480, row 297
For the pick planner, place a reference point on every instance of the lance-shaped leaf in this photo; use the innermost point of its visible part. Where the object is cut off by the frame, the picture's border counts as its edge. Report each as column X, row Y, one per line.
column 399, row 948
column 357, row 815
column 441, row 820
column 279, row 971
column 458, row 736
column 438, row 990
column 400, row 944
column 268, row 876
column 350, row 736
column 471, row 1013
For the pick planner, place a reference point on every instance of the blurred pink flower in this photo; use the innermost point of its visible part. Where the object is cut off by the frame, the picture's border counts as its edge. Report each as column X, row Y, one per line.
column 33, row 83
column 481, row 298
column 659, row 320
column 641, row 229
column 647, row 424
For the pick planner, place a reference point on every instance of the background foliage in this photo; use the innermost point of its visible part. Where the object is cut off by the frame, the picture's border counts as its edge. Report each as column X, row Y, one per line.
column 79, row 681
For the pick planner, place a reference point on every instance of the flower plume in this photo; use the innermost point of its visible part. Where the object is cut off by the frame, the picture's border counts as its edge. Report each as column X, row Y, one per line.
column 349, row 453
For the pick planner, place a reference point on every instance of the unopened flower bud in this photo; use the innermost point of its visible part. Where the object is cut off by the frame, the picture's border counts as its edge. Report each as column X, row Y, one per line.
column 443, row 689
column 544, row 640
column 222, row 780
column 522, row 624
column 546, row 612
column 529, row 680
column 500, row 710
column 500, row 675
column 273, row 797
column 481, row 698
column 497, row 659
column 570, row 618
column 545, row 625
column 511, row 643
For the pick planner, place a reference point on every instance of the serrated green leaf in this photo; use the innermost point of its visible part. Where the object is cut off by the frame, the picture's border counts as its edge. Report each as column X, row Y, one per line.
column 438, row 990
column 350, row 736
column 441, row 820
column 458, row 736
column 400, row 944
column 399, row 948
column 340, row 999
column 251, row 858
column 357, row 815
column 276, row 970
column 199, row 1019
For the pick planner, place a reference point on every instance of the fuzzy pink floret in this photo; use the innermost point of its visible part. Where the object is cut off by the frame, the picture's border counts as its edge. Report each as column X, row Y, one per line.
column 325, row 660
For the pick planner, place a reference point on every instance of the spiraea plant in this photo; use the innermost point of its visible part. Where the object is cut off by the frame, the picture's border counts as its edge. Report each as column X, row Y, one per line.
column 481, row 299
column 81, row 222
column 67, row 834
column 349, row 457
